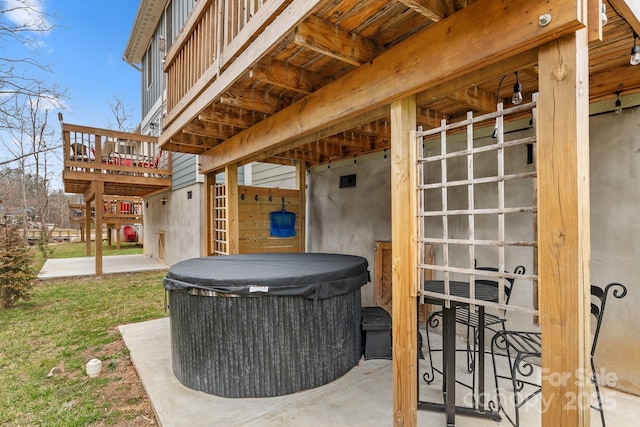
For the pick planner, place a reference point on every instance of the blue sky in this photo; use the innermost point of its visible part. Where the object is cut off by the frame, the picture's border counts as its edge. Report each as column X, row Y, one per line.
column 84, row 49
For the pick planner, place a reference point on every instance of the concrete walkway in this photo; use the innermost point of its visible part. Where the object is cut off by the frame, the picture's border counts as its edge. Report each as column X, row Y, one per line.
column 86, row 266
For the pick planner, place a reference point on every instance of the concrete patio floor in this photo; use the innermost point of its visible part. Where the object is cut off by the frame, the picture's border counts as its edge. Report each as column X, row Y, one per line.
column 362, row 397
column 86, row 266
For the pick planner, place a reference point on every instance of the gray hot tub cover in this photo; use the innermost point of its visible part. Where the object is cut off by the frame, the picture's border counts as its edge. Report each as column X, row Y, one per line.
column 311, row 275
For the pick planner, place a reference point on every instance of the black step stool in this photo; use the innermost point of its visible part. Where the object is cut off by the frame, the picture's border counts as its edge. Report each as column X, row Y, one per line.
column 376, row 333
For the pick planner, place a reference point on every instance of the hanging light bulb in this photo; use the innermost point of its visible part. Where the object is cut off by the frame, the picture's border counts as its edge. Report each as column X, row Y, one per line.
column 635, row 52
column 517, row 91
column 603, row 15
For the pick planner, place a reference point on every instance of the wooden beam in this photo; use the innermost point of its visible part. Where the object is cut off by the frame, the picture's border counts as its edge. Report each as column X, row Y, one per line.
column 331, row 40
column 595, row 21
column 68, row 127
column 254, row 100
column 435, row 10
column 208, row 204
column 429, row 118
column 525, row 61
column 205, row 130
column 233, row 221
column 477, row 99
column 402, row 71
column 404, row 263
column 331, row 129
column 99, row 186
column 630, row 11
column 301, row 185
column 285, row 76
column 230, row 116
column 351, row 139
column 564, row 230
column 182, row 147
column 87, row 227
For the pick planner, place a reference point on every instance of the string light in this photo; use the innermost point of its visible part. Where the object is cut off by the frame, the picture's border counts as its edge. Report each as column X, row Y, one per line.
column 517, row 92
column 635, row 51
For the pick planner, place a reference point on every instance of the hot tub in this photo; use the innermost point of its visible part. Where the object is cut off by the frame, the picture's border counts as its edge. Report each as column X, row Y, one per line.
column 264, row 325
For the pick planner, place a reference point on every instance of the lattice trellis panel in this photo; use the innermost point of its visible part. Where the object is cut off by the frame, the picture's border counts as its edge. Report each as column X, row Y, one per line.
column 477, row 202
column 220, row 241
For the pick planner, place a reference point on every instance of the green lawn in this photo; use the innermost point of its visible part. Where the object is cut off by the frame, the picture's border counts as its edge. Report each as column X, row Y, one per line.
column 66, row 323
column 77, row 249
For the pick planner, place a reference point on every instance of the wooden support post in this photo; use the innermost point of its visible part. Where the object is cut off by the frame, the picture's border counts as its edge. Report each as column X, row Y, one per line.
column 108, row 235
column 404, row 268
column 209, row 189
column 87, row 227
column 99, row 208
column 301, row 185
column 563, row 230
column 233, row 233
column 118, row 240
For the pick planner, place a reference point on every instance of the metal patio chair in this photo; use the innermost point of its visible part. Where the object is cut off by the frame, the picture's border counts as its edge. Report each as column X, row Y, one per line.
column 470, row 318
column 524, row 350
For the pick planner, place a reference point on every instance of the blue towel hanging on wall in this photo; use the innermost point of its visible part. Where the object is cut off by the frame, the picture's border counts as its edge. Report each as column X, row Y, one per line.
column 282, row 223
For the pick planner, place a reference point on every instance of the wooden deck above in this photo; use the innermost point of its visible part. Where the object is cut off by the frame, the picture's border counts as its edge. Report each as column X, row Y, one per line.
column 238, row 74
column 128, row 164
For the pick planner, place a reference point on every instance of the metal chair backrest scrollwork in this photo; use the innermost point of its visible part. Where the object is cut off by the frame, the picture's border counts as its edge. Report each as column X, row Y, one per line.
column 524, row 349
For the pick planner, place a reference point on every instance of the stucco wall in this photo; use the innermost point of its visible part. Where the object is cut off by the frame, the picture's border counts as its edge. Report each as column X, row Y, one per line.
column 181, row 220
column 615, row 239
column 350, row 220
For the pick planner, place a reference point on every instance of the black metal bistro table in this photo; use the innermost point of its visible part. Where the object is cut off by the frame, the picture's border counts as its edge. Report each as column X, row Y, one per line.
column 483, row 292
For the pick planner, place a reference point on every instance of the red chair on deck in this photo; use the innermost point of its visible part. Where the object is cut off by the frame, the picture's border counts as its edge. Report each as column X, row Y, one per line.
column 130, row 235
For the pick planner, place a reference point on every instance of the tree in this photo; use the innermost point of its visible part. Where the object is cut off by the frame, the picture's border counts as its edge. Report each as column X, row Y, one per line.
column 16, row 266
column 22, row 22
column 122, row 114
column 30, row 144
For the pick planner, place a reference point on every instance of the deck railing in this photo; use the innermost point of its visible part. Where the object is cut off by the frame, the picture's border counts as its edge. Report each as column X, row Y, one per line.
column 213, row 36
column 115, row 209
column 88, row 149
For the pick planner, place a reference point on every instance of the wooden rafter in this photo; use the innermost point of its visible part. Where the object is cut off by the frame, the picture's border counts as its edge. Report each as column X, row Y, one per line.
column 331, row 40
column 630, row 11
column 286, row 76
column 435, row 10
column 253, row 99
column 227, row 115
column 477, row 99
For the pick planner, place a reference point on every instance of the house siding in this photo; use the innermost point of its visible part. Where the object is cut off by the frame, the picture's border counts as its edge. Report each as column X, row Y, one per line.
column 184, row 170
column 180, row 10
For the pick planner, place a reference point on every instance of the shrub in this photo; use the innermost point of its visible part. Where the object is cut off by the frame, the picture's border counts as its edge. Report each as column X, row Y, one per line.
column 43, row 244
column 16, row 267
